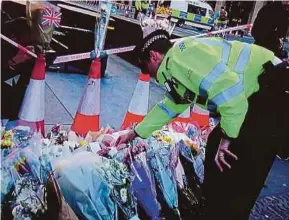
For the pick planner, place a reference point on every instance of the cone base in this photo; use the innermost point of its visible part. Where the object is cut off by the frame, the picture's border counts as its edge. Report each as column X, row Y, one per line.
column 202, row 120
column 183, row 120
column 35, row 126
column 131, row 119
column 82, row 124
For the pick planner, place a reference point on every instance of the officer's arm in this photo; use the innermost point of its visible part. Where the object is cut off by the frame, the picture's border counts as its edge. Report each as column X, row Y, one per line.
column 227, row 93
column 233, row 114
column 160, row 115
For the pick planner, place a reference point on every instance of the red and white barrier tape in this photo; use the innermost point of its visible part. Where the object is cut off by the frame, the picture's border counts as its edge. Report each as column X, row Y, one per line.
column 119, row 50
column 81, row 56
column 246, row 26
column 74, row 28
column 18, row 46
column 72, row 57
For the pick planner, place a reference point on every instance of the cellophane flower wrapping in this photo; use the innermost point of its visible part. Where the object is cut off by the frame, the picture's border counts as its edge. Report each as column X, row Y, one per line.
column 96, row 178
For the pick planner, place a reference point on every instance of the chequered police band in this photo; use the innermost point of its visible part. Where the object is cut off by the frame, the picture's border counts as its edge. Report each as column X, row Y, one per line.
column 152, row 40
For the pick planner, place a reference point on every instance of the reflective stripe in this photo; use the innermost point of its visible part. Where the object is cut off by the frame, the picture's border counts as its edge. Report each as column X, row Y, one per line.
column 219, row 68
column 238, row 88
column 168, row 111
column 229, row 93
column 243, row 59
column 226, row 51
column 211, row 77
column 226, row 45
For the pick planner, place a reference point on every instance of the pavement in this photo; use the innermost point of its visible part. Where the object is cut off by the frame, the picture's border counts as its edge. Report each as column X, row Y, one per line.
column 273, row 201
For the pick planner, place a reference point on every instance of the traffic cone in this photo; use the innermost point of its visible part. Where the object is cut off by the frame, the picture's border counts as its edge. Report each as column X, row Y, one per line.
column 184, row 117
column 87, row 115
column 33, row 105
column 199, row 115
column 138, row 106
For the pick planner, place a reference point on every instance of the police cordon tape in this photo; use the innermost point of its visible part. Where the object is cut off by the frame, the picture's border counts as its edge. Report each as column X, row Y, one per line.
column 75, row 28
column 18, row 46
column 241, row 27
column 93, row 54
column 72, row 57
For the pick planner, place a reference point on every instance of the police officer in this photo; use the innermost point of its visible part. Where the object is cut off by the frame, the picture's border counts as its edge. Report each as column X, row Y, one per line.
column 223, row 77
column 144, row 7
column 268, row 30
column 137, row 8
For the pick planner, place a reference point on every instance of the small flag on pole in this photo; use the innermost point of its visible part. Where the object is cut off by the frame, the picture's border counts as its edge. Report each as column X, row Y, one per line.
column 51, row 17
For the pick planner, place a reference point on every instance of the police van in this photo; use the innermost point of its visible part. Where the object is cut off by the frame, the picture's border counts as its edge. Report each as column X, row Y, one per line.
column 195, row 13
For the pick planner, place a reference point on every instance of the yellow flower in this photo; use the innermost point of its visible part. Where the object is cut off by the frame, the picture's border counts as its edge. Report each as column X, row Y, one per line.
column 167, row 139
column 6, row 143
column 192, row 145
column 156, row 133
column 82, row 143
column 8, row 134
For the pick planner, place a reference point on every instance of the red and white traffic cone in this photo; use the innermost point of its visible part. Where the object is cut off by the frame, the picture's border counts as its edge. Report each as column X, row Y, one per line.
column 199, row 115
column 87, row 115
column 184, row 117
column 138, row 107
column 179, row 124
column 33, row 105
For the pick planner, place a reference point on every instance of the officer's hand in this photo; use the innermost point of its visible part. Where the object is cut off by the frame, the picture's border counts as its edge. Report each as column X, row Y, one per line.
column 222, row 153
column 125, row 138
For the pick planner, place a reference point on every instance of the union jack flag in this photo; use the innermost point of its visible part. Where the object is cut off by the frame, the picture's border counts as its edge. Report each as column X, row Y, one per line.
column 51, row 17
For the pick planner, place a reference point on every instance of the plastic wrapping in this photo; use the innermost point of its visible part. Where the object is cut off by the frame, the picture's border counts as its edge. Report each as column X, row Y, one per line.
column 95, row 177
column 83, row 189
column 159, row 157
column 143, row 187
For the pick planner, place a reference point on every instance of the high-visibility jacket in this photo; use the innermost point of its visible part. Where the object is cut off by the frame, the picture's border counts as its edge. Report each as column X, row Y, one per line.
column 225, row 73
column 138, row 5
column 145, row 5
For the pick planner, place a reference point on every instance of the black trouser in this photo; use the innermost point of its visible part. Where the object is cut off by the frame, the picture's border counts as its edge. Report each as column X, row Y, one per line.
column 232, row 194
column 136, row 13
